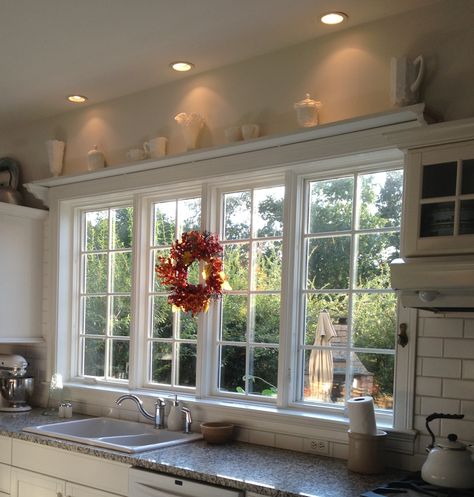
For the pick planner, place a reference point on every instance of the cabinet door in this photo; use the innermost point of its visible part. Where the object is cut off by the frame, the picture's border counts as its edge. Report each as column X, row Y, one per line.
column 438, row 216
column 28, row 484
column 21, row 285
column 5, row 477
column 73, row 490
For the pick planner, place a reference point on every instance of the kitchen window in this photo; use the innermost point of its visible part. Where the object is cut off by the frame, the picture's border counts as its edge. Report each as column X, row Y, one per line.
column 105, row 292
column 249, row 325
column 351, row 232
column 172, row 334
column 294, row 245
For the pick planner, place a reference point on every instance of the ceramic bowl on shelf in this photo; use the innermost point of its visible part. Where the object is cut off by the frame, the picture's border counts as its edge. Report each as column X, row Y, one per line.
column 217, row 432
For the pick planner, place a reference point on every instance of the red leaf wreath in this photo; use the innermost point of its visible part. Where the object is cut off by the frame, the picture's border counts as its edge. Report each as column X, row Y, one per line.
column 173, row 271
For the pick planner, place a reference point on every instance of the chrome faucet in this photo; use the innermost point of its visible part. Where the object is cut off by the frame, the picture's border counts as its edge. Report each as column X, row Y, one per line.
column 187, row 419
column 158, row 418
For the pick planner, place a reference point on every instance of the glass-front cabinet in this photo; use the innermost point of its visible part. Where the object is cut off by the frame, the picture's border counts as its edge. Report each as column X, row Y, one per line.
column 439, row 202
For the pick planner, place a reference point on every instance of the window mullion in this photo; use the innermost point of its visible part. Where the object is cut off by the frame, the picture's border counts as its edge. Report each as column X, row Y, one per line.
column 352, row 283
column 291, row 281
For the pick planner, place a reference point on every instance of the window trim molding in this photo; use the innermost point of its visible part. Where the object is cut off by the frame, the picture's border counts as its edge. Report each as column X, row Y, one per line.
column 361, row 149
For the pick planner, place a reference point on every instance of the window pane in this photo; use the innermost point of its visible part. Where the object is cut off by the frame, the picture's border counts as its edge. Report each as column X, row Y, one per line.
column 375, row 253
column 269, row 211
column 375, row 320
column 372, row 374
column 330, row 206
column 325, row 375
column 122, row 271
column 237, row 210
column 119, row 362
column 122, row 227
column 162, row 318
column 263, row 376
column 97, row 230
column 189, row 214
column 232, row 369
column 234, row 317
column 236, row 265
column 328, row 262
column 188, row 325
column 121, row 316
column 161, row 361
column 337, row 305
column 380, row 199
column 165, row 221
column 94, row 357
column 466, row 217
column 95, row 318
column 157, row 286
column 268, row 265
column 439, row 180
column 187, row 364
column 95, row 273
column 266, row 318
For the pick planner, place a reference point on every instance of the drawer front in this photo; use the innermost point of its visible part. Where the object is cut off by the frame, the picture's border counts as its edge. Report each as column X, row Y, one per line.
column 78, row 468
column 5, row 450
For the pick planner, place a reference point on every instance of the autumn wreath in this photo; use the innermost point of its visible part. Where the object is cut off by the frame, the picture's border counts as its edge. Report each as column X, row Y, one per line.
column 173, row 271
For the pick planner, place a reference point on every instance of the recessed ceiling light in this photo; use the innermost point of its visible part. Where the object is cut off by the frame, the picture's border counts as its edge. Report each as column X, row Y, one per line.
column 76, row 99
column 181, row 66
column 333, row 18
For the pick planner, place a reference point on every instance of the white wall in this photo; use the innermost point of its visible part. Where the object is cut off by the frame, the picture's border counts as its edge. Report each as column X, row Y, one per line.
column 347, row 71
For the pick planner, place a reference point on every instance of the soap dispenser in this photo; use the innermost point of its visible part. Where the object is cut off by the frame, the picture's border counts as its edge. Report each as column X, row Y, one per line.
column 175, row 417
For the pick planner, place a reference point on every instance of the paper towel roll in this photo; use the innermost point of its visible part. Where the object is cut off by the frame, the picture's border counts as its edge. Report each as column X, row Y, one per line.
column 361, row 415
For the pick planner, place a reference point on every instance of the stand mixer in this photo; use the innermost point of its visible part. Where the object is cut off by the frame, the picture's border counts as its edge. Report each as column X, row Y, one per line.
column 15, row 385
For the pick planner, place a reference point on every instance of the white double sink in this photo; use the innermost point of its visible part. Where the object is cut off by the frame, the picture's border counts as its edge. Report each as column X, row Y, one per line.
column 108, row 433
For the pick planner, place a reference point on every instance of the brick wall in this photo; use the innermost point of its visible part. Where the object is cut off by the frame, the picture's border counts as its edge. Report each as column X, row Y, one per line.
column 444, row 377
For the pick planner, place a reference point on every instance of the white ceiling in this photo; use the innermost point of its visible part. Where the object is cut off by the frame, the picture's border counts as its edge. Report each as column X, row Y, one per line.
column 109, row 48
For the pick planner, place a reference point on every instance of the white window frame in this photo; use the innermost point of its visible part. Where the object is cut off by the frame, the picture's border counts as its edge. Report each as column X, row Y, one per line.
column 300, row 242
column 217, row 192
column 294, row 175
column 107, row 337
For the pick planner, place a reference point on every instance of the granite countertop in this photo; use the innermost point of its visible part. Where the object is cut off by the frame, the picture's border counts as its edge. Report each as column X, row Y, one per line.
column 264, row 470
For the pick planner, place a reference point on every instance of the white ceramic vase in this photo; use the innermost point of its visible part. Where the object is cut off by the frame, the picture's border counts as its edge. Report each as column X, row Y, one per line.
column 191, row 124
column 55, row 156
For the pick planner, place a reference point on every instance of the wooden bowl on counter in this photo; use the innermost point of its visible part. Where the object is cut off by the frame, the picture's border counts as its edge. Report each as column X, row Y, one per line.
column 217, row 432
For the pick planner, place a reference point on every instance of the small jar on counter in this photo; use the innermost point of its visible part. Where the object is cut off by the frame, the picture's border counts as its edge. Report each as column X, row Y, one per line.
column 65, row 410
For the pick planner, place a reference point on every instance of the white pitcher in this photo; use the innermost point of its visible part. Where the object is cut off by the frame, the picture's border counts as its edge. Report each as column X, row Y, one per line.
column 406, row 77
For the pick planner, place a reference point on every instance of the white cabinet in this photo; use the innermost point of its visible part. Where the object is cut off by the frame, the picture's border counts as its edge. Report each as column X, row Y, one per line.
column 29, row 484
column 21, row 271
column 439, row 200
column 48, row 470
column 5, row 475
column 73, row 490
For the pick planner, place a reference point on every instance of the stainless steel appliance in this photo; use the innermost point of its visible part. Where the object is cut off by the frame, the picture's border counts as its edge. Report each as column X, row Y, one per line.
column 16, row 386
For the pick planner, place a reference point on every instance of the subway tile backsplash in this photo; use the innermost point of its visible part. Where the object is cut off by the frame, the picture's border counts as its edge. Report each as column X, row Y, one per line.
column 445, row 377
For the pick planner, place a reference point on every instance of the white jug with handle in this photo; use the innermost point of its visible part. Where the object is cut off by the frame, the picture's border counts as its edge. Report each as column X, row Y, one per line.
column 406, row 77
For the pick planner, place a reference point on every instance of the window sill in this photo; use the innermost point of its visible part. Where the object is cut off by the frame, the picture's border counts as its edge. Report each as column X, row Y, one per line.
column 330, row 425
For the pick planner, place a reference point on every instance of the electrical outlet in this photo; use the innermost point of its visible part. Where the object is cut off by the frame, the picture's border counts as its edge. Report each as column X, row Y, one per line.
column 317, row 446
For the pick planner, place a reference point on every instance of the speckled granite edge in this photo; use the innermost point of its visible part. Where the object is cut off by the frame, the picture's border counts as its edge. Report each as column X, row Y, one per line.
column 263, row 470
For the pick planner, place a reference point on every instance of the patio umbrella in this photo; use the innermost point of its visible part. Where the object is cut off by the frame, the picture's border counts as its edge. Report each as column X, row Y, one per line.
column 320, row 360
